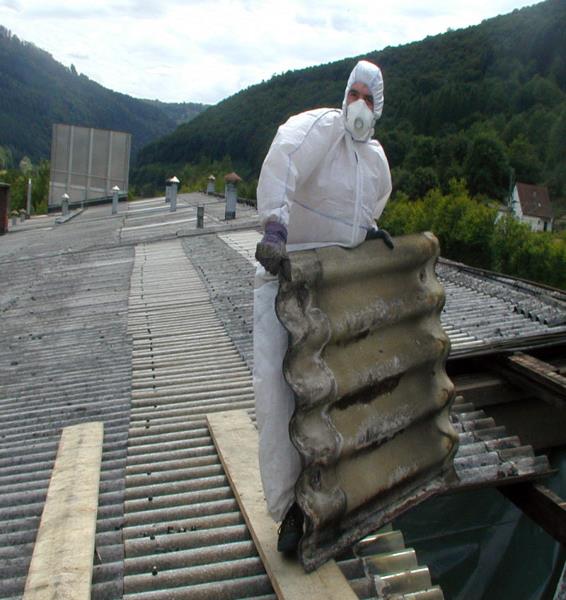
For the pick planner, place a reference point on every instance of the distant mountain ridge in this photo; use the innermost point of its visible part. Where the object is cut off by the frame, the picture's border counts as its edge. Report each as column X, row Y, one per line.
column 468, row 103
column 180, row 112
column 37, row 91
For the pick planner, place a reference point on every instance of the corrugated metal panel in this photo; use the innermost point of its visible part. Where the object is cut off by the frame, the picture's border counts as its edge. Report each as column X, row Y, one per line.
column 366, row 363
column 228, row 277
column 244, row 242
column 65, row 359
column 87, row 163
column 392, row 570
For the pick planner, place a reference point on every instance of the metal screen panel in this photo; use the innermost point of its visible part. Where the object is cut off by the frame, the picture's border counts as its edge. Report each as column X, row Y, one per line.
column 59, row 154
column 120, row 151
column 80, row 157
column 100, row 144
column 87, row 163
column 366, row 361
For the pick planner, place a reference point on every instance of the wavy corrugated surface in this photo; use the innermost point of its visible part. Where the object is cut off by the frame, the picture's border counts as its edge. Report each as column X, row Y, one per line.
column 184, row 535
column 66, row 359
column 366, row 362
column 487, row 453
column 481, row 309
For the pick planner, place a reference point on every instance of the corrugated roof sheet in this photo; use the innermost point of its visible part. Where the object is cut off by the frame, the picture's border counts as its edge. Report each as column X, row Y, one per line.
column 481, row 310
column 65, row 359
column 366, row 362
column 184, row 534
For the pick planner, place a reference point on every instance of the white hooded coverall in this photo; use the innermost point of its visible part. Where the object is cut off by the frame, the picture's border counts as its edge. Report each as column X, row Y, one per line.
column 327, row 189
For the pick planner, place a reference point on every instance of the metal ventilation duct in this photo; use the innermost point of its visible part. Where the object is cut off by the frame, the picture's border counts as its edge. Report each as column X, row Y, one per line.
column 366, row 362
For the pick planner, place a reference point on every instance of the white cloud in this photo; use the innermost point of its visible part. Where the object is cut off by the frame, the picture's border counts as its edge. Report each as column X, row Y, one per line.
column 202, row 51
column 77, row 56
column 312, row 20
column 10, row 4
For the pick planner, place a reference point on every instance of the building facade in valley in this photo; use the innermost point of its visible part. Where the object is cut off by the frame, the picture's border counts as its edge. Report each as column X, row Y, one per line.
column 531, row 205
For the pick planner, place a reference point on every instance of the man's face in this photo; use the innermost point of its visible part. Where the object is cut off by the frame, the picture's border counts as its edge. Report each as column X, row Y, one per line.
column 360, row 90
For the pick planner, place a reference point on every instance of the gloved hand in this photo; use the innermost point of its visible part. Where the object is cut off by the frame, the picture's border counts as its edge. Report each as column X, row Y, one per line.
column 374, row 234
column 271, row 251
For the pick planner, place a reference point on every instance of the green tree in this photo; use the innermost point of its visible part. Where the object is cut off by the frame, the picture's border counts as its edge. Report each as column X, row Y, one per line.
column 518, row 251
column 40, row 188
column 557, row 139
column 525, row 161
column 19, row 186
column 487, row 167
column 421, row 181
column 5, row 158
column 468, row 233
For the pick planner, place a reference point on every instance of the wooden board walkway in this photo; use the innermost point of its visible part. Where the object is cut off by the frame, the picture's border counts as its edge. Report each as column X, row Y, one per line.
column 236, row 440
column 62, row 561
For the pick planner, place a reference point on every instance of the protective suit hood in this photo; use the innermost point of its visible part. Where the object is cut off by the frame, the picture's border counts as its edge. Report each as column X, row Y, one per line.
column 369, row 74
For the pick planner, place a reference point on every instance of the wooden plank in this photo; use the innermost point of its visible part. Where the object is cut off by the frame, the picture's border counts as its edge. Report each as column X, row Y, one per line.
column 236, row 440
column 542, row 379
column 484, row 389
column 62, row 562
column 542, row 505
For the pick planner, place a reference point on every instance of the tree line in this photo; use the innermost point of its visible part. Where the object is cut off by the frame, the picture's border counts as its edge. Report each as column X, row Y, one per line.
column 486, row 104
column 470, row 232
column 18, row 181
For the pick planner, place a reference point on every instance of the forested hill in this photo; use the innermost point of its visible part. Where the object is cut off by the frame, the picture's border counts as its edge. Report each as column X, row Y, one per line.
column 180, row 112
column 470, row 103
column 37, row 91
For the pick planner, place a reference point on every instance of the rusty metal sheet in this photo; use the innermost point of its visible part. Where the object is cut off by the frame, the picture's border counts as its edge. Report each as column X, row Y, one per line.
column 366, row 361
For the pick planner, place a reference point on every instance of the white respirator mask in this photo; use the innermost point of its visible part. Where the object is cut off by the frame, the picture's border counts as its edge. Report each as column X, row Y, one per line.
column 359, row 120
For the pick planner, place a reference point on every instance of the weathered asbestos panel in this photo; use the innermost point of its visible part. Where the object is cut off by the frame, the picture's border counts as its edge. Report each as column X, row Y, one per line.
column 366, row 362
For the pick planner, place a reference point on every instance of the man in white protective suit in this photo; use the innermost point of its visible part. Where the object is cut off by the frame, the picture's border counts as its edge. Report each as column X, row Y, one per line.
column 324, row 182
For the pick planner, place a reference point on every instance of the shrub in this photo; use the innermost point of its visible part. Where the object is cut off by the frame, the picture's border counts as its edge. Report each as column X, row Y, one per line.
column 468, row 233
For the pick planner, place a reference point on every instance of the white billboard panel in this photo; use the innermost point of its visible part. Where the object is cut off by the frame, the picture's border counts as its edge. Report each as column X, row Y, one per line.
column 86, row 163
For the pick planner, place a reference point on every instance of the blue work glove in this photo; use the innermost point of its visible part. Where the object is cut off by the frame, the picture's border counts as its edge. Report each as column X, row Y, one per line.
column 271, row 252
column 381, row 234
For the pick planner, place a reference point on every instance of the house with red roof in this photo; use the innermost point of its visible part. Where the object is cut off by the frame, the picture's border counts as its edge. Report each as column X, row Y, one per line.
column 531, row 204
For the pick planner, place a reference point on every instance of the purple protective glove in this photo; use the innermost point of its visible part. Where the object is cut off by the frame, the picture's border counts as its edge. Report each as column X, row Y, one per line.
column 271, row 252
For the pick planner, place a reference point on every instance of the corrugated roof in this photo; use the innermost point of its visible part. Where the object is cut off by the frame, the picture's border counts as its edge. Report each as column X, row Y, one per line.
column 184, row 534
column 182, row 523
column 64, row 307
column 482, row 310
column 65, row 359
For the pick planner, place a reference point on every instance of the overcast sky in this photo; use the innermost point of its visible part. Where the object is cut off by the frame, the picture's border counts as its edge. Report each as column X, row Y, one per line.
column 203, row 51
